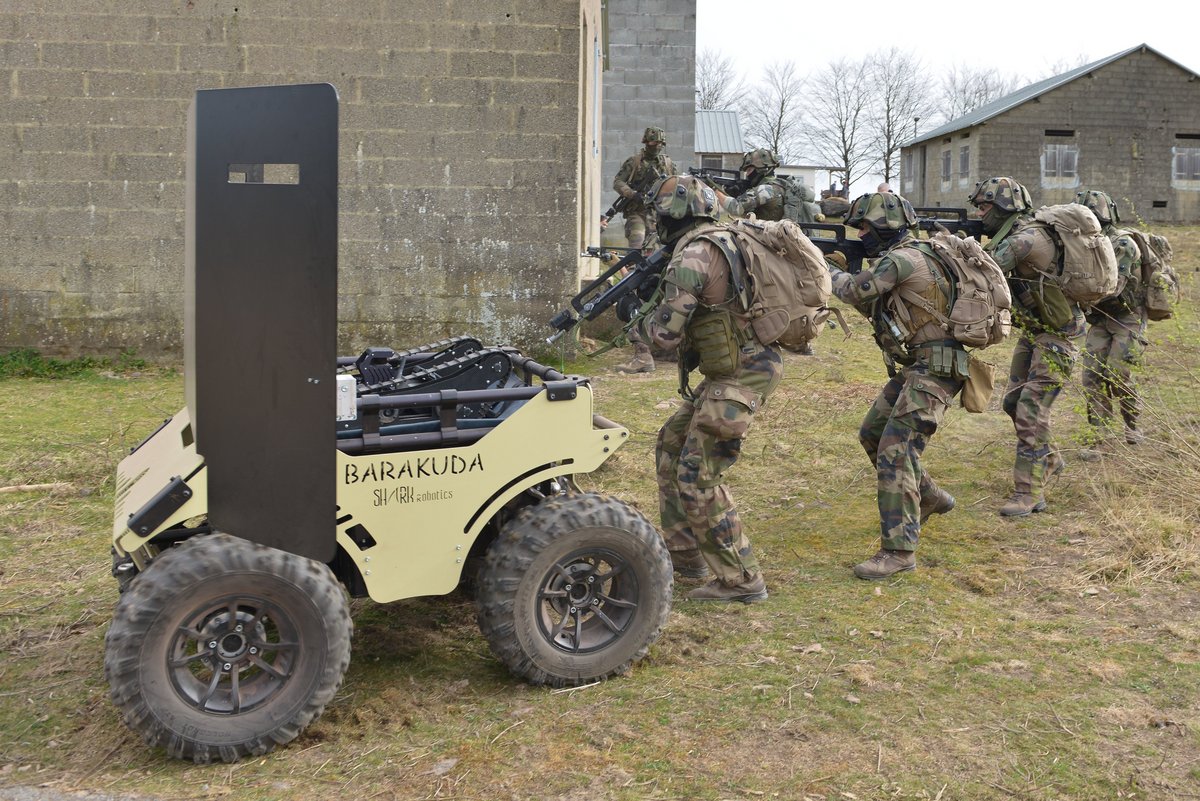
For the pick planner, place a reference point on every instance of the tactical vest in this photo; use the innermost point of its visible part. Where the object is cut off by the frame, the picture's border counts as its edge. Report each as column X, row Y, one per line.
column 773, row 208
column 924, row 299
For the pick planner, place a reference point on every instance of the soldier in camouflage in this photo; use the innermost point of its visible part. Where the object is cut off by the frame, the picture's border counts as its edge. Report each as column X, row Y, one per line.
column 700, row 313
column 637, row 175
column 897, row 294
column 1116, row 331
column 764, row 192
column 1049, row 323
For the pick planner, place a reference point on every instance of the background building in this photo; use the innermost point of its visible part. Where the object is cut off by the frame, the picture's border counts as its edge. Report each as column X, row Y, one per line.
column 469, row 170
column 719, row 143
column 1128, row 124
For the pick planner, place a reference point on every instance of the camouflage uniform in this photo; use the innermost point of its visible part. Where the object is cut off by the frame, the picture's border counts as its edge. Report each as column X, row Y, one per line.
column 1116, row 329
column 1048, row 322
column 764, row 200
column 640, row 171
column 911, row 405
column 764, row 196
column 703, row 439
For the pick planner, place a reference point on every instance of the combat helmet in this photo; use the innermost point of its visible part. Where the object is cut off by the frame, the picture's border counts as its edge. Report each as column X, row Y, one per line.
column 760, row 160
column 1004, row 193
column 678, row 201
column 1101, row 204
column 883, row 211
column 655, row 136
column 678, row 197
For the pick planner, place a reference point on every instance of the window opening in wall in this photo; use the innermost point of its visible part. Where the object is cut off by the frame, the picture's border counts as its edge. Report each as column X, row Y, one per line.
column 1059, row 132
column 1159, row 204
column 945, row 165
column 1186, row 164
column 1188, row 136
column 711, row 162
column 1059, row 160
column 964, row 162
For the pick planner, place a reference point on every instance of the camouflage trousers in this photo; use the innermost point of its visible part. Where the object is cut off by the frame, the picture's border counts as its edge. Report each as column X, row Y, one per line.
column 1041, row 364
column 894, row 433
column 696, row 446
column 1111, row 353
column 639, row 225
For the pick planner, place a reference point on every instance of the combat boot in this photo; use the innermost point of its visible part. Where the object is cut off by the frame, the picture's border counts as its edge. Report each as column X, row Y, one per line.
column 886, row 563
column 1022, row 504
column 640, row 363
column 937, row 502
column 689, row 564
column 805, row 350
column 1134, row 436
column 748, row 592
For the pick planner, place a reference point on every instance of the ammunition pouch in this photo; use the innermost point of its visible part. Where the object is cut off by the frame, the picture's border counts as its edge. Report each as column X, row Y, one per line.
column 717, row 339
column 944, row 359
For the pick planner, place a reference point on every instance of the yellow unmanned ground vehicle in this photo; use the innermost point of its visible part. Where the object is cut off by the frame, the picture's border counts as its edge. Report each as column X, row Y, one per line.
column 295, row 479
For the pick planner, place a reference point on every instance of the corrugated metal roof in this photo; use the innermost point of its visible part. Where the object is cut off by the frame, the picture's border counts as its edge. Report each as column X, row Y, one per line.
column 1010, row 101
column 718, row 132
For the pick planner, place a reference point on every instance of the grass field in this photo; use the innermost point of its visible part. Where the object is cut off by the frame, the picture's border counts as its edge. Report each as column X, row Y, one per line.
column 1052, row 657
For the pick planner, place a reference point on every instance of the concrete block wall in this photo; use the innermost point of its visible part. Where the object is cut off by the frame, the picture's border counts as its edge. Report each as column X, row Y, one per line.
column 460, row 166
column 649, row 80
column 1126, row 117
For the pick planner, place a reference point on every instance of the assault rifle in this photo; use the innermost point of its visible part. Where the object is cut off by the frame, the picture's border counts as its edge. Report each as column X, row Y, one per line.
column 728, row 181
column 934, row 218
column 628, row 294
column 930, row 220
column 835, row 241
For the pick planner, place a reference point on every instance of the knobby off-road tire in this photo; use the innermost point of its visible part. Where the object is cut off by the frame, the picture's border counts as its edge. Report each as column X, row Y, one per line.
column 574, row 589
column 224, row 649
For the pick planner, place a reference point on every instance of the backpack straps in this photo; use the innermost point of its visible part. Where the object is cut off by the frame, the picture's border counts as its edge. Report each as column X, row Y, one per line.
column 994, row 241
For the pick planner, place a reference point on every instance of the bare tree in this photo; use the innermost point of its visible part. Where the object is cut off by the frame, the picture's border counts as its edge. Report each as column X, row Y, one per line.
column 838, row 111
column 771, row 113
column 899, row 100
column 965, row 89
column 718, row 85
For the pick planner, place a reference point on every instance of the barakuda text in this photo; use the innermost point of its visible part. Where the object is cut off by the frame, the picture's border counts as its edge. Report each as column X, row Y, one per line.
column 421, row 467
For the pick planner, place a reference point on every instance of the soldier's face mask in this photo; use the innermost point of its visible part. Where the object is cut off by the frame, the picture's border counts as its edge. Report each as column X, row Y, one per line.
column 993, row 217
column 872, row 242
column 653, row 148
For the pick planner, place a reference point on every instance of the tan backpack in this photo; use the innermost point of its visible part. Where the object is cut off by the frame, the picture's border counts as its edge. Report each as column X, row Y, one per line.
column 1161, row 284
column 981, row 299
column 789, row 283
column 1088, row 272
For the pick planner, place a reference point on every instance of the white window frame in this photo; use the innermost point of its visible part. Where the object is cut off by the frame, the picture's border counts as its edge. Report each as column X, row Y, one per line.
column 964, row 165
column 1055, row 173
column 1185, row 167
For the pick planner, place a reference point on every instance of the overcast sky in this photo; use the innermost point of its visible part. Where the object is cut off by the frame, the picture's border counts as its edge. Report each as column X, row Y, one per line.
column 1023, row 39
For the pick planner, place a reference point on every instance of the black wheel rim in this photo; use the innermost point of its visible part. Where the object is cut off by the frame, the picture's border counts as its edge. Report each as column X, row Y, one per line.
column 587, row 600
column 233, row 655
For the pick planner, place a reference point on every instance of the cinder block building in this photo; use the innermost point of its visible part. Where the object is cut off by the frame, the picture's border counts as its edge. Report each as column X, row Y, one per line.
column 1128, row 124
column 469, row 169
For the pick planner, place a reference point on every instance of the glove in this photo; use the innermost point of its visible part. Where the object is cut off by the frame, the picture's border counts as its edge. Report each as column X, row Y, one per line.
column 837, row 259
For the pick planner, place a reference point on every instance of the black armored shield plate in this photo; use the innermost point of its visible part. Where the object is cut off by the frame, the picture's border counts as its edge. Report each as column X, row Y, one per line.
column 261, row 310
